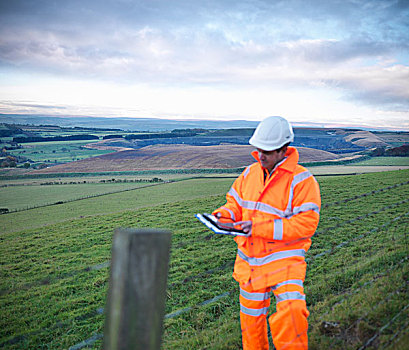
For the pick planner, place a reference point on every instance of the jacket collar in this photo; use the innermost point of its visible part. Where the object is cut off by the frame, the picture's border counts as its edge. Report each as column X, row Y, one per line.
column 288, row 163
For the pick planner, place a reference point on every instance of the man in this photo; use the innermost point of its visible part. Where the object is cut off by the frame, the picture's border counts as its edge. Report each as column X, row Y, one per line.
column 276, row 201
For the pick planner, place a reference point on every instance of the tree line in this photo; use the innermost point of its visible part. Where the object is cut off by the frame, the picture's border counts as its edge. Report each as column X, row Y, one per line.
column 54, row 138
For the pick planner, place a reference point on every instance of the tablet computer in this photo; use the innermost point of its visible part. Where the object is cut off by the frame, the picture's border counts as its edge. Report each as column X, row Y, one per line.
column 211, row 222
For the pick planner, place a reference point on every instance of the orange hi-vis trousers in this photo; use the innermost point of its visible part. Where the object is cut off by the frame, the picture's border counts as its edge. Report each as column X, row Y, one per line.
column 288, row 325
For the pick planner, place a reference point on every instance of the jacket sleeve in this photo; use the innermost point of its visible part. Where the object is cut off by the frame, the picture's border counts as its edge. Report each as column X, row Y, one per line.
column 300, row 223
column 231, row 211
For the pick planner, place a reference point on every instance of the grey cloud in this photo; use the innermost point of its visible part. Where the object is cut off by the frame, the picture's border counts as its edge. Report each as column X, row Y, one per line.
column 392, row 94
column 32, row 105
column 333, row 51
column 196, row 42
column 382, row 98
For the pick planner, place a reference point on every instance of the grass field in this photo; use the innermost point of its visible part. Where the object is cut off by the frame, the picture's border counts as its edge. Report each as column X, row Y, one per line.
column 385, row 161
column 354, row 169
column 57, row 151
column 54, row 277
column 15, row 198
column 143, row 197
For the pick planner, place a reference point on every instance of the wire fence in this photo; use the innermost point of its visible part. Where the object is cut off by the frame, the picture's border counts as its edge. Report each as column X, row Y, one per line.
column 232, row 291
column 151, row 184
column 80, row 198
column 335, row 247
column 52, row 278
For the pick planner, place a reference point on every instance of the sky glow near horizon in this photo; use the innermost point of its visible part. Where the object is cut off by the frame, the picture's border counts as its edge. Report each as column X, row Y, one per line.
column 328, row 62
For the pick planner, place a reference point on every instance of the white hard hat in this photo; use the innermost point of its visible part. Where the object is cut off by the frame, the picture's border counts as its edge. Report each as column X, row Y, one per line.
column 272, row 133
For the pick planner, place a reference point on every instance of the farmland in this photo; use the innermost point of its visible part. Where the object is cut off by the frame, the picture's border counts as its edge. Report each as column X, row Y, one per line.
column 54, row 265
column 15, row 198
column 110, row 203
column 385, row 161
column 58, row 151
column 55, row 241
column 162, row 157
column 79, row 148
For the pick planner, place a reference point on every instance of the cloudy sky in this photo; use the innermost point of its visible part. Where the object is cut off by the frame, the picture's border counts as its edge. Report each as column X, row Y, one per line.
column 324, row 61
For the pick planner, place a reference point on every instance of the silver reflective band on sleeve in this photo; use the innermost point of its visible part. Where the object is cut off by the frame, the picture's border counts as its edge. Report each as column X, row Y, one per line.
column 300, row 177
column 246, row 172
column 230, row 212
column 278, row 229
column 306, row 207
column 271, row 257
column 251, row 205
column 290, row 296
column 253, row 312
column 296, row 180
column 232, row 192
column 268, row 209
column 255, row 296
column 297, row 282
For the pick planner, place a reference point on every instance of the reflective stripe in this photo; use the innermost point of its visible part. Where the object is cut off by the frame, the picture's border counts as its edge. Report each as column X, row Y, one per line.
column 306, row 207
column 230, row 212
column 253, row 312
column 235, row 195
column 266, row 208
column 255, row 296
column 300, row 177
column 290, row 296
column 246, row 172
column 271, row 257
column 296, row 180
column 297, row 282
column 251, row 205
column 278, row 229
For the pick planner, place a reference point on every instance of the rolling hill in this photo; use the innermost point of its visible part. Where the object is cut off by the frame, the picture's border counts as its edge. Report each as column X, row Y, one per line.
column 159, row 157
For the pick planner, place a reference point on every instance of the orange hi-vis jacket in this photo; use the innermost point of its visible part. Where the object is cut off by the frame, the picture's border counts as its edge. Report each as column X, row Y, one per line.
column 284, row 210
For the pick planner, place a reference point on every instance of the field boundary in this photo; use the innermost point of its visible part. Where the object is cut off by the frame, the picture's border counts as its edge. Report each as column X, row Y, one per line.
column 179, row 312
column 332, row 250
column 122, row 173
column 81, row 198
column 106, row 264
column 96, row 195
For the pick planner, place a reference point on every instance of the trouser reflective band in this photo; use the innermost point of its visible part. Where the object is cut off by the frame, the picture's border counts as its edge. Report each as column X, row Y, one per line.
column 254, row 307
column 253, row 312
column 296, row 282
column 255, row 296
column 290, row 296
column 288, row 324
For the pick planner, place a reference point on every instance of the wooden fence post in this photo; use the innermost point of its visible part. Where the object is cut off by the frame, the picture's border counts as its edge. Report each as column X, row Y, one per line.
column 137, row 289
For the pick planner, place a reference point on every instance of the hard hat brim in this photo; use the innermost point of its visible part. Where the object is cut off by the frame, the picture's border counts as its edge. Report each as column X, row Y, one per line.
column 268, row 147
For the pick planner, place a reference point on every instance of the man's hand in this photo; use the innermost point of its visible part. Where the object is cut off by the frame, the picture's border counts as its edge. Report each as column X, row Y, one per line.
column 245, row 226
column 222, row 221
column 240, row 225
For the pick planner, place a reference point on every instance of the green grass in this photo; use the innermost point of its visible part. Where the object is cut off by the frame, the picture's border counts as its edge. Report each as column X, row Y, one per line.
column 21, row 180
column 16, row 198
column 384, row 161
column 57, row 152
column 49, row 294
column 143, row 197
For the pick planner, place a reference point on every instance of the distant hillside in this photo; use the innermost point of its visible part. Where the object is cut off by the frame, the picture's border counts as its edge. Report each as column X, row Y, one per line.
column 160, row 157
column 365, row 139
column 131, row 124
column 331, row 140
column 37, row 146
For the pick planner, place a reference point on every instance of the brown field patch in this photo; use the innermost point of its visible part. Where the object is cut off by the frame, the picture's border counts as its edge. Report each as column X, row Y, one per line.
column 365, row 139
column 111, row 144
column 161, row 157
